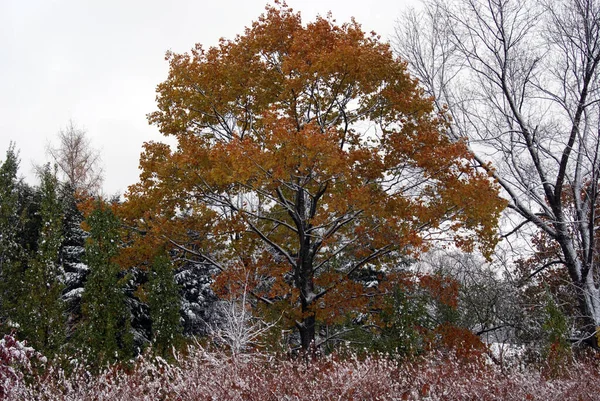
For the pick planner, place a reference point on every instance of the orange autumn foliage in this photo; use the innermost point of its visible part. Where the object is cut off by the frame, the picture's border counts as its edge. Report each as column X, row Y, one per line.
column 305, row 154
column 466, row 345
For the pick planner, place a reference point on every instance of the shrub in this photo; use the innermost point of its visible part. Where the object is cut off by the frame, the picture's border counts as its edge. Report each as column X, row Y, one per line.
column 15, row 360
column 204, row 375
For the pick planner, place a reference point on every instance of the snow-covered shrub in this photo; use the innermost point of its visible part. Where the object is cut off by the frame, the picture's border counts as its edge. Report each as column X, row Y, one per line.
column 15, row 361
column 206, row 375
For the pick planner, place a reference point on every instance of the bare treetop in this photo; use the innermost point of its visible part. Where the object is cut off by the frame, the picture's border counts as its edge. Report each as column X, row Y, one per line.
column 78, row 162
column 519, row 80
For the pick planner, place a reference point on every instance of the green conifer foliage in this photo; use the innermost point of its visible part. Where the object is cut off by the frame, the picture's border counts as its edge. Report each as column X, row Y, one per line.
column 164, row 303
column 8, row 205
column 42, row 315
column 11, row 251
column 71, row 256
column 105, row 329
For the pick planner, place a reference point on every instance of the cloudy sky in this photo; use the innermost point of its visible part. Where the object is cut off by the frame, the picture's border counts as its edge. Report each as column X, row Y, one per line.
column 97, row 63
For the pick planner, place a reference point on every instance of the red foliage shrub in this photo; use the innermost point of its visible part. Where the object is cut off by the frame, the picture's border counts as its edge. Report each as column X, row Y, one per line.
column 462, row 342
column 203, row 375
column 15, row 360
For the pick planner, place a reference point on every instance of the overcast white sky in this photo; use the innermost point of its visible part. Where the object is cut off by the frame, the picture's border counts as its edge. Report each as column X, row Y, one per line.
column 97, row 62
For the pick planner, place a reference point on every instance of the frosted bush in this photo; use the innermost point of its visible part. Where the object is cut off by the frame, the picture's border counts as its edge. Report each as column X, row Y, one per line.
column 15, row 361
column 205, row 375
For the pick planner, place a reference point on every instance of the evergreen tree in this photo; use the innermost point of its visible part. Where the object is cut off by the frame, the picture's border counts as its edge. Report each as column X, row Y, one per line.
column 164, row 303
column 30, row 219
column 72, row 254
column 8, row 206
column 197, row 297
column 11, row 251
column 42, row 311
column 136, row 299
column 105, row 329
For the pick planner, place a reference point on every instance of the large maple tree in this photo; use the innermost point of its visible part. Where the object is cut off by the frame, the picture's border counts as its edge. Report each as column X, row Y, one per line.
column 305, row 155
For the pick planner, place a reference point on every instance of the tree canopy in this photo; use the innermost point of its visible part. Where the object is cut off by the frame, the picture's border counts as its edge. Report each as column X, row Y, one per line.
column 520, row 80
column 306, row 157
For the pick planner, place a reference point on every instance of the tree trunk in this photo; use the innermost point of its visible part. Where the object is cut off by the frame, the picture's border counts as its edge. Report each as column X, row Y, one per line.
column 586, row 291
column 491, row 49
column 308, row 323
column 588, row 300
column 307, row 332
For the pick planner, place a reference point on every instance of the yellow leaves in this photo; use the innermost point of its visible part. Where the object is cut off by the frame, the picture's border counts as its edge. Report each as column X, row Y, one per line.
column 301, row 144
column 307, row 153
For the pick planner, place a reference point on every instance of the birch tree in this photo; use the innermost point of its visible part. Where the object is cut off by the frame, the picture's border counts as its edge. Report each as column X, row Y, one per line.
column 79, row 163
column 519, row 80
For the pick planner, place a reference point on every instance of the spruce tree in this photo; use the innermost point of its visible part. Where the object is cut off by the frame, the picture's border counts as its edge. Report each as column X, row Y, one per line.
column 105, row 329
column 42, row 315
column 71, row 255
column 164, row 303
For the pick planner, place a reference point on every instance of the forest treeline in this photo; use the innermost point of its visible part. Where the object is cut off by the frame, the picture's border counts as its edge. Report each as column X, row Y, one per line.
column 320, row 197
column 67, row 289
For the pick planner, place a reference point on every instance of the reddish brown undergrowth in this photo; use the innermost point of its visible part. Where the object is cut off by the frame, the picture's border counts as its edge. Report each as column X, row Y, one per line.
column 204, row 375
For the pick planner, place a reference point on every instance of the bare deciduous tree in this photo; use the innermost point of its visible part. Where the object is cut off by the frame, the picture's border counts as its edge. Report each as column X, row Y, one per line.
column 77, row 160
column 238, row 329
column 519, row 79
